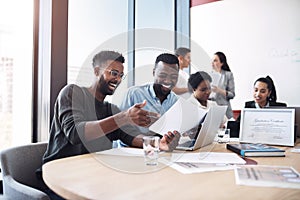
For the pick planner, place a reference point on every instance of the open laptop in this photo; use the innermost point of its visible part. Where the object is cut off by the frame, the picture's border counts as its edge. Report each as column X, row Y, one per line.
column 208, row 131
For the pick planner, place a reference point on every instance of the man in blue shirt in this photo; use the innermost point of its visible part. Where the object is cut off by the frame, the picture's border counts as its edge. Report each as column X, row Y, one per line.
column 158, row 95
column 84, row 122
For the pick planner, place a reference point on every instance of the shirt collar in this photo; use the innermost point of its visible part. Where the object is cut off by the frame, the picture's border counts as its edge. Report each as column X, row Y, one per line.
column 152, row 92
column 257, row 106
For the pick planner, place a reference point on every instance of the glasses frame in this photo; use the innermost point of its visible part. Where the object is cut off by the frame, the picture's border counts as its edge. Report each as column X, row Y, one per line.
column 116, row 74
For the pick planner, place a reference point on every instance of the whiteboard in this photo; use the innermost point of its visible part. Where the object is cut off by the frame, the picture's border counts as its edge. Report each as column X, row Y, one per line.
column 259, row 38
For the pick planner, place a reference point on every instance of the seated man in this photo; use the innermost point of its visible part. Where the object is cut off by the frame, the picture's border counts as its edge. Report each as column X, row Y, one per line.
column 159, row 94
column 83, row 122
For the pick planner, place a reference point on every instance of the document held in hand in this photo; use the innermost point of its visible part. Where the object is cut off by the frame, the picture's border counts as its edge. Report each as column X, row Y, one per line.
column 182, row 116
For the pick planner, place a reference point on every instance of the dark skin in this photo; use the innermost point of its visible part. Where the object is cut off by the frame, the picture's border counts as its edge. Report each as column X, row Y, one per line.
column 165, row 79
column 105, row 84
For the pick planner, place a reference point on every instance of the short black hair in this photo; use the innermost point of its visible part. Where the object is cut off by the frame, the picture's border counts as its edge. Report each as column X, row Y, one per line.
column 167, row 58
column 182, row 51
column 196, row 78
column 104, row 56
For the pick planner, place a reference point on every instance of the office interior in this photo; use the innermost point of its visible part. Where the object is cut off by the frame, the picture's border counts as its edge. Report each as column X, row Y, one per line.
column 51, row 46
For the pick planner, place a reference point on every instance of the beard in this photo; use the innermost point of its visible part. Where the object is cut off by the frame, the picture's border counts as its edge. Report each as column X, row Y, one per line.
column 107, row 87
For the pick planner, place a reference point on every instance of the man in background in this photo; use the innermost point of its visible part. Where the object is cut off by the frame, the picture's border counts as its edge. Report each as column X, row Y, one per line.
column 184, row 56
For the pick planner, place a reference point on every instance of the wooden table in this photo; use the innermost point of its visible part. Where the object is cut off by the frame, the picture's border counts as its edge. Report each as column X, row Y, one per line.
column 95, row 176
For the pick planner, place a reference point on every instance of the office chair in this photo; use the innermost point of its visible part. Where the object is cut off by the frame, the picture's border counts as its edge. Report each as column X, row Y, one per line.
column 18, row 169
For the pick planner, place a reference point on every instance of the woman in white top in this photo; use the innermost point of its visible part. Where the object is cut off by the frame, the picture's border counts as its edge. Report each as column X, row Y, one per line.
column 199, row 84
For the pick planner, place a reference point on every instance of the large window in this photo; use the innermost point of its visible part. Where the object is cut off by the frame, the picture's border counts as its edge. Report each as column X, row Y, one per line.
column 16, row 53
column 155, row 25
column 100, row 25
column 93, row 25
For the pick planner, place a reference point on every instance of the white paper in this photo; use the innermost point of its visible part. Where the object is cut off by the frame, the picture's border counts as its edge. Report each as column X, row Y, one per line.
column 215, row 76
column 124, row 151
column 182, row 116
column 208, row 157
column 267, row 176
column 190, row 168
column 268, row 126
column 296, row 150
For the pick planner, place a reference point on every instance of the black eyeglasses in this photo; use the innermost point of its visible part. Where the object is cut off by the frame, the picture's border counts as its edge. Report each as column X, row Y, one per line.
column 115, row 73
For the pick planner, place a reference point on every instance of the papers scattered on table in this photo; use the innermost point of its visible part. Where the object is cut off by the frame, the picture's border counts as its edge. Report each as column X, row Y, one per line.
column 188, row 163
column 208, row 157
column 267, row 176
column 191, row 168
column 296, row 150
column 123, row 152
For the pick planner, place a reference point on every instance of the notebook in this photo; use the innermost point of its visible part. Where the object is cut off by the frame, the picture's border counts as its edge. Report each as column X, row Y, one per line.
column 208, row 131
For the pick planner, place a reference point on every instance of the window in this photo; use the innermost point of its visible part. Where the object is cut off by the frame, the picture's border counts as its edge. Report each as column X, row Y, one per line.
column 93, row 26
column 16, row 48
column 154, row 35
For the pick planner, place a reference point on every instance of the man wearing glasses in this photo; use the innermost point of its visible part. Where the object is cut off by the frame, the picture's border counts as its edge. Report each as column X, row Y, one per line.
column 158, row 95
column 83, row 122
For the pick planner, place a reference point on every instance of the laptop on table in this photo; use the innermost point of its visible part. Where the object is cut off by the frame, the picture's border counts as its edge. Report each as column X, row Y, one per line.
column 208, row 131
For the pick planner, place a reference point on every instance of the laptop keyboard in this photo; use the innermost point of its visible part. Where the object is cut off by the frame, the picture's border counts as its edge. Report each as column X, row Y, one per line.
column 189, row 143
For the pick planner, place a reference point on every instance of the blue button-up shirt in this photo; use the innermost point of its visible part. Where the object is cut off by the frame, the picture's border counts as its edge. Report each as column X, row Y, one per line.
column 137, row 94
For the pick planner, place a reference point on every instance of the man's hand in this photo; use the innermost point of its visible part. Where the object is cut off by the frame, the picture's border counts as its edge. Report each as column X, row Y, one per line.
column 137, row 116
column 169, row 141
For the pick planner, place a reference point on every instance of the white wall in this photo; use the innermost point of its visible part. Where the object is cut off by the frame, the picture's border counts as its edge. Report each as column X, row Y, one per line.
column 258, row 37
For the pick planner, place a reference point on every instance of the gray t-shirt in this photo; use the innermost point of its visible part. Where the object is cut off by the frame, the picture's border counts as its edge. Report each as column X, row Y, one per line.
column 73, row 108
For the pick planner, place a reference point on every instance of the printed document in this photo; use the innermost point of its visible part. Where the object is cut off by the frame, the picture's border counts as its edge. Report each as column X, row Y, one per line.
column 268, row 126
column 189, row 163
column 182, row 116
column 267, row 176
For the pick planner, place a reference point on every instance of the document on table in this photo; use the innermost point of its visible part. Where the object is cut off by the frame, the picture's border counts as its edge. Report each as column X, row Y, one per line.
column 188, row 163
column 268, row 126
column 267, row 176
column 124, row 151
column 208, row 157
column 182, row 116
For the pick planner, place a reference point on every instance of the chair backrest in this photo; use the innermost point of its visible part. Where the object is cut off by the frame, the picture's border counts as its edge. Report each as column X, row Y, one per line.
column 20, row 163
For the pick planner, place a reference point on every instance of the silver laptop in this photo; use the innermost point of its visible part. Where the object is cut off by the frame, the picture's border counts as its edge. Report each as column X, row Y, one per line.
column 208, row 131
